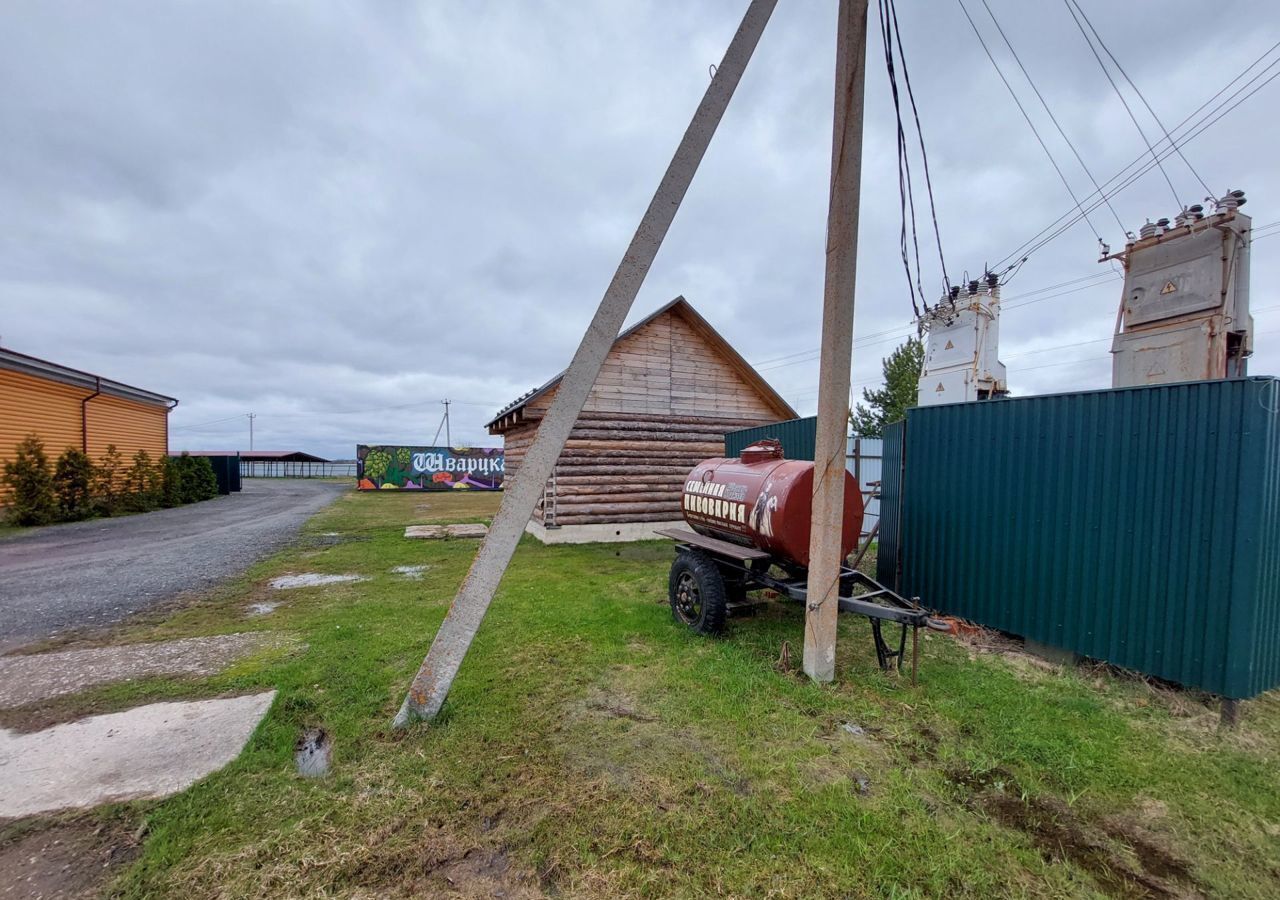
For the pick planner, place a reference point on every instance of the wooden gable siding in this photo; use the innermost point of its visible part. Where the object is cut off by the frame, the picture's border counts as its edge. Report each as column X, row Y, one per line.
column 667, row 368
column 662, row 403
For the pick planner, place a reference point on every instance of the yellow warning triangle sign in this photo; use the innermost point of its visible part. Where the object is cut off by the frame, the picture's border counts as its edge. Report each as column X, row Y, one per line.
column 1169, row 288
column 950, row 346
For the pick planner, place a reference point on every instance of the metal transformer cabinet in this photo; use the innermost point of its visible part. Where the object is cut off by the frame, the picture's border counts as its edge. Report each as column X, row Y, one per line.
column 961, row 355
column 1185, row 310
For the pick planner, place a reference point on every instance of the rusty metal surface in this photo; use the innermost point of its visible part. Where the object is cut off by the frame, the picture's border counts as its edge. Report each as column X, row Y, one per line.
column 724, row 548
column 431, row 684
column 766, row 504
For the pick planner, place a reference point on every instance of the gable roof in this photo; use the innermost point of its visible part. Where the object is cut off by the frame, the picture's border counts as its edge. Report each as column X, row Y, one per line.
column 51, row 371
column 685, row 310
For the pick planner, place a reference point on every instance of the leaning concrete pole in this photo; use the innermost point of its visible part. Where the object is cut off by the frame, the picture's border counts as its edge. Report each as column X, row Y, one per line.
column 837, row 345
column 431, row 684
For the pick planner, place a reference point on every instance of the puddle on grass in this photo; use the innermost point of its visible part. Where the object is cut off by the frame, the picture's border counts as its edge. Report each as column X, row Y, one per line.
column 312, row 753
column 310, row 579
column 411, row 572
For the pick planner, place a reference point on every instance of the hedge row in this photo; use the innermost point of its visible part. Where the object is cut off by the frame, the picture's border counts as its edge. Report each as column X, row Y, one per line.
column 78, row 488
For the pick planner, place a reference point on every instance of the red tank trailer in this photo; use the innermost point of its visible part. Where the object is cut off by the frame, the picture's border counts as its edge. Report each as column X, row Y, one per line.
column 750, row 518
column 763, row 500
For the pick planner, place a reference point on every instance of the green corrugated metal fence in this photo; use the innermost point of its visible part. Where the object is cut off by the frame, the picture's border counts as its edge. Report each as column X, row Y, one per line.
column 1139, row 526
column 797, row 436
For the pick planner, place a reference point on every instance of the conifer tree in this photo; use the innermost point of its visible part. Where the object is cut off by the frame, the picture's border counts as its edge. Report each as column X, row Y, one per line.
column 888, row 404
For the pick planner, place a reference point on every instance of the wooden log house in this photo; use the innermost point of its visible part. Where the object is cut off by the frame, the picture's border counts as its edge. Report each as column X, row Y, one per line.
column 668, row 391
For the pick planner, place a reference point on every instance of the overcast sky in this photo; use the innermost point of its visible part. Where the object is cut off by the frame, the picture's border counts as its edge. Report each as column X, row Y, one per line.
column 335, row 215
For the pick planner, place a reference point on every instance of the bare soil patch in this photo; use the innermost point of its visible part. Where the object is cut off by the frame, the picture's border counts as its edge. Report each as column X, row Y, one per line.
column 34, row 678
column 65, row 859
column 1147, row 870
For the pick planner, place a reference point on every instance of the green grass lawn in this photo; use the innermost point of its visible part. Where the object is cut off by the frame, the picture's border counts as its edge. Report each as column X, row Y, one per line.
column 590, row 747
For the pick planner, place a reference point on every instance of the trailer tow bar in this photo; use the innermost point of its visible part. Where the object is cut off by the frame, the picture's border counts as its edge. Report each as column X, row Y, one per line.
column 749, row 569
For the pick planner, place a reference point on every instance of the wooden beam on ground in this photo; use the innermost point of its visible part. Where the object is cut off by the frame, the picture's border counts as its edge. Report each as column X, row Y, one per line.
column 431, row 685
column 837, row 345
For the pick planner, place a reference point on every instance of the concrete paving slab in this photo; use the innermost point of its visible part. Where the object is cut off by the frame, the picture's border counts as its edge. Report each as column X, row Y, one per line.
column 433, row 532
column 149, row 751
column 43, row 676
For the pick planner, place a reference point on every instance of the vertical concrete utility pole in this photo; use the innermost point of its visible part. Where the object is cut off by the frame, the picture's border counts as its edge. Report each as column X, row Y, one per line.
column 837, row 345
column 431, row 684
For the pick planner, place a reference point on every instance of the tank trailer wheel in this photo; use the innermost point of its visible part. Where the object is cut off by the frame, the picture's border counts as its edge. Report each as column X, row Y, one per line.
column 697, row 593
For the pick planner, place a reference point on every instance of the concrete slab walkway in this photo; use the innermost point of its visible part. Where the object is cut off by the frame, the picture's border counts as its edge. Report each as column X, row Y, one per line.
column 149, row 751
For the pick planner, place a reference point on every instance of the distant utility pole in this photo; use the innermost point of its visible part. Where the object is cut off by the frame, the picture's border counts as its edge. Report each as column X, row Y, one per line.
column 252, row 416
column 448, row 439
column 431, row 685
column 827, row 524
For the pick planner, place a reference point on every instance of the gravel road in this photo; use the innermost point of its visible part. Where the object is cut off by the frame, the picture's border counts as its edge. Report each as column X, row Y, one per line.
column 96, row 573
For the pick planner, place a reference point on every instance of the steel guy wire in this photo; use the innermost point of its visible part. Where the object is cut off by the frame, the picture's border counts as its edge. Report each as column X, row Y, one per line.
column 1107, row 50
column 1124, row 102
column 1052, row 117
column 1030, row 124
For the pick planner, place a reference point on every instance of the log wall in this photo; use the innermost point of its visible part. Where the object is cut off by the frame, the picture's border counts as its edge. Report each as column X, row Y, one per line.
column 622, row 467
column 662, row 403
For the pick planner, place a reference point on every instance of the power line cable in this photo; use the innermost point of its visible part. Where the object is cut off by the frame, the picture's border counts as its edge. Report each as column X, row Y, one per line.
column 1052, row 117
column 204, row 424
column 1201, row 127
column 905, row 199
column 1066, row 220
column 924, row 155
column 1125, row 178
column 1096, row 279
column 1030, row 124
column 1124, row 102
column 1116, row 62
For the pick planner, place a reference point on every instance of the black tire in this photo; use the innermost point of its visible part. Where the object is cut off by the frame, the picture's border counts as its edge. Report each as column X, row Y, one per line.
column 696, row 590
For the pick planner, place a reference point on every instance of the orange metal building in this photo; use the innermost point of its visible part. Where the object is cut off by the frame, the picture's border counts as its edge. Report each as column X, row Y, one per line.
column 68, row 408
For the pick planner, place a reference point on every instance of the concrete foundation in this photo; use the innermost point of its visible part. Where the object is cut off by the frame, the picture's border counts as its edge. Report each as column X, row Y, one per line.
column 617, row 533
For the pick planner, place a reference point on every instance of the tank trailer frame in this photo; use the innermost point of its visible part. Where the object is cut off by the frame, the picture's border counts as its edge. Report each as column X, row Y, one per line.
column 710, row 579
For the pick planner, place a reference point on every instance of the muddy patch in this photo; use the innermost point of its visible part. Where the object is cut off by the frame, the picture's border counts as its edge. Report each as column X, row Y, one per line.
column 310, row 579
column 73, row 859
column 44, row 676
column 484, row 873
column 1131, row 864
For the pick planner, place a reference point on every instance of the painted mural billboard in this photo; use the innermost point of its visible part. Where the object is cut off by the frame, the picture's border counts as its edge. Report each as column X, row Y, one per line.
column 384, row 467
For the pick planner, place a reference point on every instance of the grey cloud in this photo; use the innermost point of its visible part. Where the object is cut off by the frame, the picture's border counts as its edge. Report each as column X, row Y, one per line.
column 308, row 210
